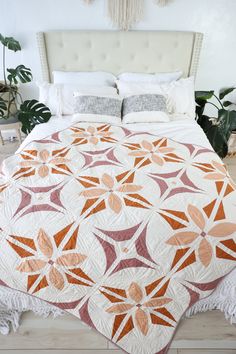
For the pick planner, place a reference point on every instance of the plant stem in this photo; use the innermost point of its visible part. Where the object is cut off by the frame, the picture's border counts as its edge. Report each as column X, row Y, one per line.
column 4, row 65
column 219, row 101
column 214, row 105
column 9, row 102
column 18, row 94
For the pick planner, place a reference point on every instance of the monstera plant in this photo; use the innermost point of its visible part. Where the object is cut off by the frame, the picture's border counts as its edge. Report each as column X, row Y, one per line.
column 219, row 128
column 12, row 106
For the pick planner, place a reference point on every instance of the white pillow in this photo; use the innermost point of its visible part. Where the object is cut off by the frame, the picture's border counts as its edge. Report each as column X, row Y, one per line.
column 97, row 108
column 96, row 78
column 133, row 88
column 159, row 78
column 60, row 98
column 179, row 94
column 181, row 97
column 50, row 95
column 145, row 108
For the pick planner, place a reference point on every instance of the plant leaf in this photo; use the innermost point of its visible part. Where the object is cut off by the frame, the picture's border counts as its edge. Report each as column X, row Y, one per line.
column 19, row 74
column 226, row 91
column 32, row 113
column 227, row 122
column 3, row 107
column 200, row 107
column 227, row 103
column 201, row 98
column 204, row 95
column 215, row 135
column 10, row 43
column 233, row 119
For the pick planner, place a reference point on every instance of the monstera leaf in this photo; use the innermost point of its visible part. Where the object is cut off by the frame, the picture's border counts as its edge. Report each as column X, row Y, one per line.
column 32, row 113
column 3, row 107
column 19, row 74
column 10, row 43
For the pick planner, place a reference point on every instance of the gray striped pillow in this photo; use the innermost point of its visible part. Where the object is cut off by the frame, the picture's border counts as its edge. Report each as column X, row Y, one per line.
column 98, row 108
column 145, row 108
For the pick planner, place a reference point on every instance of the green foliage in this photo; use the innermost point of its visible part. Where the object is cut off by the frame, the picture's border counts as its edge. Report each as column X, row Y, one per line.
column 19, row 74
column 32, row 113
column 227, row 103
column 225, row 92
column 218, row 129
column 10, row 43
column 3, row 107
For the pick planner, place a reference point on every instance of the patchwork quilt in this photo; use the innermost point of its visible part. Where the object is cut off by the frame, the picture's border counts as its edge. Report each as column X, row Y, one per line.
column 125, row 230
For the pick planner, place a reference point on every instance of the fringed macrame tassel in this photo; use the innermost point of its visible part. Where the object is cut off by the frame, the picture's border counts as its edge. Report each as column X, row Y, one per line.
column 125, row 13
column 161, row 2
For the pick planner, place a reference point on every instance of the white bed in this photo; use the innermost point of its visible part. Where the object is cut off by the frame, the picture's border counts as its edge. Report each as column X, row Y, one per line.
column 145, row 52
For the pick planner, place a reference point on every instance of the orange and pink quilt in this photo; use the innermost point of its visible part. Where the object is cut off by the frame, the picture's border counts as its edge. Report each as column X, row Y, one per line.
column 125, row 230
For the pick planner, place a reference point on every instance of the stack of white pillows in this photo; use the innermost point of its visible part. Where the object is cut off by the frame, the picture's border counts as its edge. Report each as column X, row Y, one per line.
column 130, row 97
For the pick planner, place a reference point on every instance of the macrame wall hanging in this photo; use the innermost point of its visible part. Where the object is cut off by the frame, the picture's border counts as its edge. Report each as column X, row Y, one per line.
column 161, row 2
column 125, row 13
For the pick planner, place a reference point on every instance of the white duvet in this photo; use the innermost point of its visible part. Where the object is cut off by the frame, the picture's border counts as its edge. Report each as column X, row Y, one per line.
column 184, row 131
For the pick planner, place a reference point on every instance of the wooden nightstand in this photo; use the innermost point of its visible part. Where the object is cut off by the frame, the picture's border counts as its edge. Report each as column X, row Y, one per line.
column 11, row 126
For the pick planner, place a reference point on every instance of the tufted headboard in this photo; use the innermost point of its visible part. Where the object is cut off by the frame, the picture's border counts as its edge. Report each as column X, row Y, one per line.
column 116, row 52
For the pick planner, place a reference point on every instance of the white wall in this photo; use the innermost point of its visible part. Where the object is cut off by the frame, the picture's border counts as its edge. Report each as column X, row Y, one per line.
column 215, row 18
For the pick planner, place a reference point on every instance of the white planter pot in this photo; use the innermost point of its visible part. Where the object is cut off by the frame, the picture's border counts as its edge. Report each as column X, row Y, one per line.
column 10, row 120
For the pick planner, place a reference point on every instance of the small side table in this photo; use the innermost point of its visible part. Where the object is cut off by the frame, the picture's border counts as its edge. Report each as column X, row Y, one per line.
column 11, row 126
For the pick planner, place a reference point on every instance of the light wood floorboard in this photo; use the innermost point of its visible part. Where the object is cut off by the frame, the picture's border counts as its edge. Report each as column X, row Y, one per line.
column 206, row 331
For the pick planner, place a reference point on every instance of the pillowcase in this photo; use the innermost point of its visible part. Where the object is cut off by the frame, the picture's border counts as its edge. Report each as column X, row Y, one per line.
column 60, row 98
column 96, row 78
column 50, row 95
column 145, row 108
column 179, row 94
column 181, row 97
column 97, row 108
column 134, row 88
column 159, row 78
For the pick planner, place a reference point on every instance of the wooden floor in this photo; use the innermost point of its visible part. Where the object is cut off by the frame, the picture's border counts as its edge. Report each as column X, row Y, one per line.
column 207, row 333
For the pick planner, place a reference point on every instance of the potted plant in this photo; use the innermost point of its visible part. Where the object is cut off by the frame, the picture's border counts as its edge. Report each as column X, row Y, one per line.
column 12, row 106
column 218, row 129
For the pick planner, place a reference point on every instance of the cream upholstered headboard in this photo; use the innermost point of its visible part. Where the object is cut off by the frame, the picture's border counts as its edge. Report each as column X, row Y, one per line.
column 116, row 51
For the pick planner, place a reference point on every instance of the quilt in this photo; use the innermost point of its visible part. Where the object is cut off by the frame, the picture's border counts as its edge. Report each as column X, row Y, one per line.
column 125, row 230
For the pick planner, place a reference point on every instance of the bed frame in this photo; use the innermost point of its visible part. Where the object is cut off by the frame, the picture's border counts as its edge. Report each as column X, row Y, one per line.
column 116, row 52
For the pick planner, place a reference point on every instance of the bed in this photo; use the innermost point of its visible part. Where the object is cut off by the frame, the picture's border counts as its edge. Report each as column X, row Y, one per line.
column 145, row 52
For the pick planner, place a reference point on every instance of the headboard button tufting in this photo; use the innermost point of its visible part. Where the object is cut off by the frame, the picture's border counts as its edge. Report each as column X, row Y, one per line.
column 116, row 52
